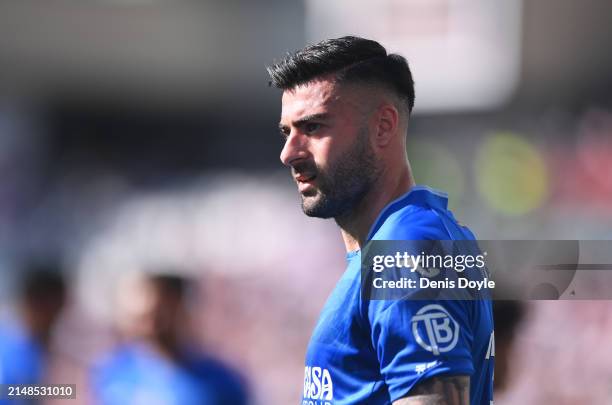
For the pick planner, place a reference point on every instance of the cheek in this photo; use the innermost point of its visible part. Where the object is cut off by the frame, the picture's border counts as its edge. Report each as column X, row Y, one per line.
column 324, row 152
column 336, row 147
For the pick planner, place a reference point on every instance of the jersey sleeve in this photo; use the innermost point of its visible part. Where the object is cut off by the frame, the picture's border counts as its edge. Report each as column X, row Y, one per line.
column 416, row 340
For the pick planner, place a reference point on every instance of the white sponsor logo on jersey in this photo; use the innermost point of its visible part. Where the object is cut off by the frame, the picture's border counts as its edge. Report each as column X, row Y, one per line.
column 441, row 330
column 318, row 385
column 421, row 368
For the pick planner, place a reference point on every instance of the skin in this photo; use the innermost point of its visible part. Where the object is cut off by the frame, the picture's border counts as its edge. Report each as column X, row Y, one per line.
column 155, row 316
column 326, row 126
column 444, row 390
column 345, row 145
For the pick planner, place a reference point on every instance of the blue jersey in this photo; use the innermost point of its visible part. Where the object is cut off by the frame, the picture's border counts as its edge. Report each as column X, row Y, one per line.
column 135, row 374
column 22, row 358
column 375, row 351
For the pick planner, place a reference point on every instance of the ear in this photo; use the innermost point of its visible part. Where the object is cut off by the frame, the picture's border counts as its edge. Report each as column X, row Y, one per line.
column 387, row 124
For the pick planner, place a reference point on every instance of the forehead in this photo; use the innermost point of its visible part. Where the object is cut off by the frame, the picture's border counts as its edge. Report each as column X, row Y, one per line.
column 315, row 97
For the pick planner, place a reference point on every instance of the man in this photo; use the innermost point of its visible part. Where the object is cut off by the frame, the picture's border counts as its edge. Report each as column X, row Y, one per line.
column 346, row 104
column 158, row 363
column 26, row 333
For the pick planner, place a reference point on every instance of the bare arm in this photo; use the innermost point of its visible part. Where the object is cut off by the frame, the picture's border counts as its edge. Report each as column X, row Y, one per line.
column 442, row 390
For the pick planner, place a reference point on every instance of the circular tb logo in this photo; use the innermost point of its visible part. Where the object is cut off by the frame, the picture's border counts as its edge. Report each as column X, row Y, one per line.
column 434, row 329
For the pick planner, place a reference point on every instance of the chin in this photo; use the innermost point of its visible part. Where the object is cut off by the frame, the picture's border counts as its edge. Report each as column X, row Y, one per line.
column 317, row 214
column 316, row 207
column 312, row 206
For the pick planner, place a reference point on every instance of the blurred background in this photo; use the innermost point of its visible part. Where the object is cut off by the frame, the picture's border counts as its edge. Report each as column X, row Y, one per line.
column 139, row 143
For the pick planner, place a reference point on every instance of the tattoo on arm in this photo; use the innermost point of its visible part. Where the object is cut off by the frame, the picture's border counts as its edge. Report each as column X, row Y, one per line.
column 442, row 390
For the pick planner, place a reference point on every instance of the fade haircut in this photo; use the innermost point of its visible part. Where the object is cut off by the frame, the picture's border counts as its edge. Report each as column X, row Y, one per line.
column 352, row 60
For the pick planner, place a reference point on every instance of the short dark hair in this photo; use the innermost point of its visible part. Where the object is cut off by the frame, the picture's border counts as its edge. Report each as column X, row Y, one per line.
column 42, row 282
column 352, row 59
column 168, row 283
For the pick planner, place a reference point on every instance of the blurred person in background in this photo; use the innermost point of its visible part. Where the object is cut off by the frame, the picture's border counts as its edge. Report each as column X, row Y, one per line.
column 345, row 110
column 25, row 334
column 158, row 361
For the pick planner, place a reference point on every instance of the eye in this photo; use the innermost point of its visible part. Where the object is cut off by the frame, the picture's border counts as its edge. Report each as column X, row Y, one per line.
column 311, row 127
column 284, row 132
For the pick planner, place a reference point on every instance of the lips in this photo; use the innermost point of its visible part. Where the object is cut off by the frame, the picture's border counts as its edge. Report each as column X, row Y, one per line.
column 303, row 178
column 305, row 175
column 305, row 183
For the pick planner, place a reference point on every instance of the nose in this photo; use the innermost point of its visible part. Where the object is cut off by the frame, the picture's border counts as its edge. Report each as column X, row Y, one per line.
column 295, row 148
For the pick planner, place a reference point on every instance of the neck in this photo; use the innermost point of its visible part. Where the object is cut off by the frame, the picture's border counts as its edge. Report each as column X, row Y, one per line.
column 356, row 224
column 169, row 348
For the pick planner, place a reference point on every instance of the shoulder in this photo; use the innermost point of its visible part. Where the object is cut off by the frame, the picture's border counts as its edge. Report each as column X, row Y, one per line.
column 214, row 369
column 16, row 343
column 226, row 384
column 413, row 222
column 119, row 361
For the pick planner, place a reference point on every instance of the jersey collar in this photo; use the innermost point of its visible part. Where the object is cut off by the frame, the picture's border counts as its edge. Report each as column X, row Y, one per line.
column 417, row 195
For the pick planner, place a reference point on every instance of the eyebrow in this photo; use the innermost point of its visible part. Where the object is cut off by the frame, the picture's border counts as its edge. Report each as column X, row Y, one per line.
column 306, row 119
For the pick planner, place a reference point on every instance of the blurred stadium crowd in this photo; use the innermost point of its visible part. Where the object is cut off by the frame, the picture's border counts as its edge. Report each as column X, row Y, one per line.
column 149, row 238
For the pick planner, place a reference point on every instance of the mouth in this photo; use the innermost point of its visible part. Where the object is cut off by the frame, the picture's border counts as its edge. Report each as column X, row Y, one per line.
column 305, row 178
column 305, row 181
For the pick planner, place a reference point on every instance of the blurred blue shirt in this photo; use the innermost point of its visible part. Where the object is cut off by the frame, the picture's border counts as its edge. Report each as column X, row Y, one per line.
column 135, row 374
column 22, row 358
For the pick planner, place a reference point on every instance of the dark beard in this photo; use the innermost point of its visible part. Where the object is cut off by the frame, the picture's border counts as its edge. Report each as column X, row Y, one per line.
column 345, row 183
